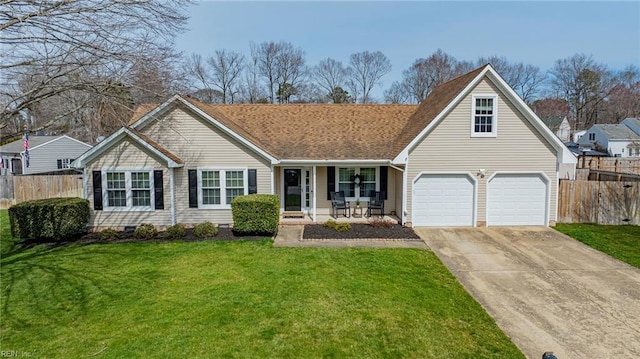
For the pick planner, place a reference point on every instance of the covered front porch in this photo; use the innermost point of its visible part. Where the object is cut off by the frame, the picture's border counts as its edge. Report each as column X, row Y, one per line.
column 305, row 188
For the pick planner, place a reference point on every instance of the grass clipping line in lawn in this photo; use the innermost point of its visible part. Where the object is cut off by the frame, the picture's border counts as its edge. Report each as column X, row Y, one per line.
column 238, row 299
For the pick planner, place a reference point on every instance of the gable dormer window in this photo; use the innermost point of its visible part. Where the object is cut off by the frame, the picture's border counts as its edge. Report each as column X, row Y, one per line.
column 484, row 116
column 592, row 137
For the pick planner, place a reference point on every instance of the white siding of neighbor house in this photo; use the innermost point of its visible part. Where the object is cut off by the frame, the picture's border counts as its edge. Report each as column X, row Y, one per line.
column 44, row 158
column 128, row 155
column 518, row 147
column 200, row 144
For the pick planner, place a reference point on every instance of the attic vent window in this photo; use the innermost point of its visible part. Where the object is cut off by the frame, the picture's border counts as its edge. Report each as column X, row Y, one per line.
column 484, row 116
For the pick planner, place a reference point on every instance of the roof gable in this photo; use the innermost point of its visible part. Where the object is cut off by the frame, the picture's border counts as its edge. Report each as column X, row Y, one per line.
column 448, row 95
column 171, row 160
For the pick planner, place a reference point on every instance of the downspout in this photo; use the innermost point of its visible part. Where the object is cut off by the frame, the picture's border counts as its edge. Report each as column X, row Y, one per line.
column 273, row 181
column 405, row 180
column 173, row 196
column 314, row 194
column 85, row 184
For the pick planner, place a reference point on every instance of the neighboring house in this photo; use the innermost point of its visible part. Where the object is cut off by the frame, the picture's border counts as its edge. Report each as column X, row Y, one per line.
column 457, row 159
column 617, row 139
column 633, row 123
column 46, row 154
column 577, row 135
column 560, row 126
column 578, row 150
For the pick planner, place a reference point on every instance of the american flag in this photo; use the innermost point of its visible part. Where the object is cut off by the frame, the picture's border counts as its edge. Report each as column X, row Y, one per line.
column 25, row 144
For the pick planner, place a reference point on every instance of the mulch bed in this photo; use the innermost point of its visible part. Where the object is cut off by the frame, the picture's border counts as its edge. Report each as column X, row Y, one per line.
column 224, row 234
column 359, row 231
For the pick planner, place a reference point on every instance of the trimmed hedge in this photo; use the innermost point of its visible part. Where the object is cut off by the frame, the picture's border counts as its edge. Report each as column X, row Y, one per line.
column 55, row 218
column 256, row 214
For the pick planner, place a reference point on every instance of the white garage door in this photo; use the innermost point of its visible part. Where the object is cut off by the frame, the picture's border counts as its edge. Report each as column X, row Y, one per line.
column 443, row 200
column 517, row 199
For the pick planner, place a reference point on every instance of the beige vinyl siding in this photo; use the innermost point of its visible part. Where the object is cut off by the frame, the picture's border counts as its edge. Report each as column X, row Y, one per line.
column 44, row 158
column 200, row 144
column 449, row 147
column 128, row 155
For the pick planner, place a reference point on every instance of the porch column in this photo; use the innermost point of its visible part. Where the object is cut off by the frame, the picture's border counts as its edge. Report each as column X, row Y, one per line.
column 314, row 194
column 172, row 194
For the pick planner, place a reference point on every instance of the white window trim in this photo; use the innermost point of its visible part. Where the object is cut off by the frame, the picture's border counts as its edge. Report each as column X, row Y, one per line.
column 494, row 123
column 357, row 172
column 223, row 185
column 127, row 176
column 65, row 162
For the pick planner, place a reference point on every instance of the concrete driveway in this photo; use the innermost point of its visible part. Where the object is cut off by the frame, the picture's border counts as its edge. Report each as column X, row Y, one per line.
column 545, row 290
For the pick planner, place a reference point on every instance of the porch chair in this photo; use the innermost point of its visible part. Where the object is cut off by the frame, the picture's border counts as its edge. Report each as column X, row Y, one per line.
column 376, row 203
column 339, row 203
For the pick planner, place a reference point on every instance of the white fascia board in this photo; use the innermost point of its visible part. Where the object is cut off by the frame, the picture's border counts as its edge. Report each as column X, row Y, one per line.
column 405, row 152
column 333, row 162
column 105, row 144
column 59, row 138
column 153, row 113
column 228, row 131
column 563, row 153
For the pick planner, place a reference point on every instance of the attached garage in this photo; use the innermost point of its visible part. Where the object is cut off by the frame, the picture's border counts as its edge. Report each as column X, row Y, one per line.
column 517, row 199
column 443, row 200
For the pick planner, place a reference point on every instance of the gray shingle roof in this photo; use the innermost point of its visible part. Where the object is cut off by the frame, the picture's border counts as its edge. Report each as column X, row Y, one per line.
column 17, row 146
column 618, row 132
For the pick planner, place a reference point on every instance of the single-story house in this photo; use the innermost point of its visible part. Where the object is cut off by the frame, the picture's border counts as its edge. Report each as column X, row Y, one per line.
column 619, row 140
column 560, row 126
column 471, row 154
column 46, row 154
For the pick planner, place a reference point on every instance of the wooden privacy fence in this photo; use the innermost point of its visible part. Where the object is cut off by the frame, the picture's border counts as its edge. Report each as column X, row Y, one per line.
column 16, row 189
column 599, row 202
column 612, row 164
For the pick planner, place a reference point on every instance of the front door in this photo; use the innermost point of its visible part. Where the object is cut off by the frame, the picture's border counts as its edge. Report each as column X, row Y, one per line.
column 292, row 190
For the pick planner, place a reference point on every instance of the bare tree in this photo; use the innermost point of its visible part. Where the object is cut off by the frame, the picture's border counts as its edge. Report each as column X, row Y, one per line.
column 584, row 84
column 423, row 76
column 365, row 72
column 524, row 79
column 266, row 54
column 55, row 47
column 251, row 89
column 624, row 99
column 397, row 93
column 196, row 68
column 226, row 68
column 330, row 74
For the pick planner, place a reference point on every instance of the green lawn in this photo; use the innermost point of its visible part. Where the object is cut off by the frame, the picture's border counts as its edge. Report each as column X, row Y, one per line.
column 621, row 242
column 237, row 300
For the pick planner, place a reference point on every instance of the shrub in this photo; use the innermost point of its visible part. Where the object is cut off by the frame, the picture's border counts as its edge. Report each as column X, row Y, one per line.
column 176, row 232
column 338, row 227
column 381, row 223
column 205, row 230
column 256, row 214
column 145, row 231
column 109, row 234
column 54, row 218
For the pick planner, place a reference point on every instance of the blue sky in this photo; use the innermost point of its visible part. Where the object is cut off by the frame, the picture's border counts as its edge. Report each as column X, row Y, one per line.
column 533, row 32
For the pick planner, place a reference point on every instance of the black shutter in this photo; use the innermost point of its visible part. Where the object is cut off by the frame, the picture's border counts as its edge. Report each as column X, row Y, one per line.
column 59, row 164
column 253, row 181
column 158, row 189
column 97, row 190
column 193, row 189
column 331, row 181
column 384, row 175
